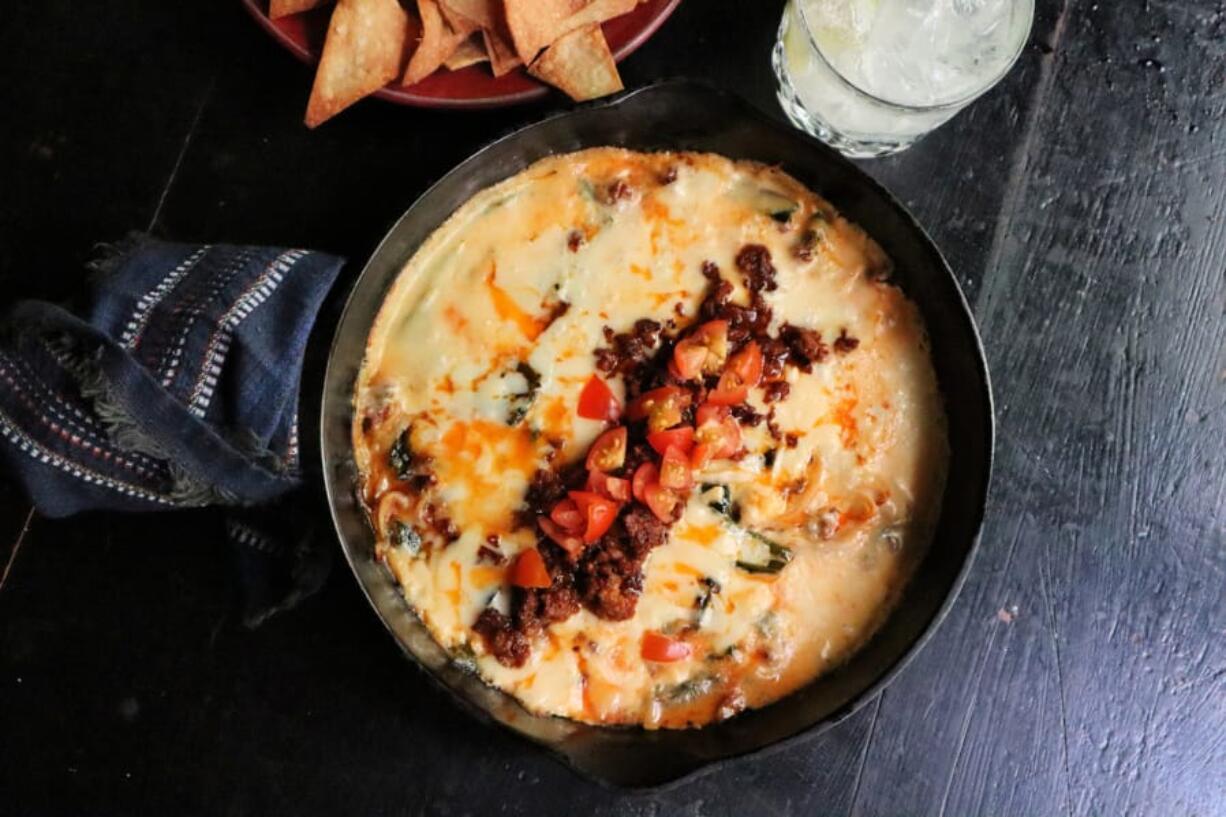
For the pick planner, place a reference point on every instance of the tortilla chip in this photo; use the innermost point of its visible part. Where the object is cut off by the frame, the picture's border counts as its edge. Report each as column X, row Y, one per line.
column 482, row 13
column 597, row 11
column 470, row 52
column 438, row 42
column 364, row 51
column 457, row 21
column 533, row 25
column 579, row 64
column 284, row 8
column 502, row 56
column 487, row 16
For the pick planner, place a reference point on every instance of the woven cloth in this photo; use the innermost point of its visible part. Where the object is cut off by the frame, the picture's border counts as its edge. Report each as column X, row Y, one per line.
column 177, row 387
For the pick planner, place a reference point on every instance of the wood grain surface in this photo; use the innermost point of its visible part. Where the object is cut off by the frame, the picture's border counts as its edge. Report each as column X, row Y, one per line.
column 1082, row 204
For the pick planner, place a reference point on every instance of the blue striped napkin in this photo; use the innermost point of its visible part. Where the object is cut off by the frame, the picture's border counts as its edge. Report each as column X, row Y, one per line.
column 178, row 388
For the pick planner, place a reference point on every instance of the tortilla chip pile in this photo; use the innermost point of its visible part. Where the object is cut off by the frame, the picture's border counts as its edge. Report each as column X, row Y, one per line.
column 371, row 43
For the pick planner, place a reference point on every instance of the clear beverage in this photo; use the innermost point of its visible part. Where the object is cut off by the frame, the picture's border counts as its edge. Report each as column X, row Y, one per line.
column 871, row 76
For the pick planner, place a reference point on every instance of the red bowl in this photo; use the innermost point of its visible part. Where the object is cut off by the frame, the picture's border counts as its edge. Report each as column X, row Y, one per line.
column 472, row 87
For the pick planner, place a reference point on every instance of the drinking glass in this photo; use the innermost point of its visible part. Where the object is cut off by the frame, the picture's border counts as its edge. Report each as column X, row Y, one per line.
column 870, row 77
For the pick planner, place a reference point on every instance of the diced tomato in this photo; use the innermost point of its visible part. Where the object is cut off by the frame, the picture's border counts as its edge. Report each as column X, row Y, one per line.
column 608, row 453
column 570, row 542
column 566, row 515
column 661, row 648
column 725, row 439
column 597, row 401
column 743, row 373
column 729, row 439
column 680, row 437
column 641, row 406
column 709, row 412
column 688, row 358
column 661, row 407
column 675, row 470
column 611, row 487
column 646, row 474
column 747, row 364
column 703, row 351
column 661, row 501
column 672, row 370
column 529, row 570
column 716, row 437
column 598, row 513
column 729, row 391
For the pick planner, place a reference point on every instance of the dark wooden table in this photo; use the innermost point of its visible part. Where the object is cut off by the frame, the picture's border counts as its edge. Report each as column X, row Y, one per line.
column 1083, row 670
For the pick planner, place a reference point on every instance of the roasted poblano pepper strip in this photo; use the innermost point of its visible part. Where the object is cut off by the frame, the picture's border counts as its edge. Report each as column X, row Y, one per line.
column 404, row 536
column 772, row 556
column 784, row 214
column 778, row 559
column 718, row 498
column 401, row 456
column 774, row 204
column 521, row 402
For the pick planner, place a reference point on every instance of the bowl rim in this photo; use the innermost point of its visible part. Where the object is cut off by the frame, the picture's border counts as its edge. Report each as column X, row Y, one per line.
column 976, row 506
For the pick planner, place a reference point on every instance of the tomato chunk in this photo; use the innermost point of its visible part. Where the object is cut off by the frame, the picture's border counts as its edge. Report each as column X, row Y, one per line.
column 598, row 513
column 743, row 373
column 716, row 437
column 597, row 401
column 566, row 516
column 688, row 358
column 747, row 364
column 661, row 501
column 709, row 412
column 661, row 407
column 529, row 570
column 729, row 391
column 647, row 474
column 570, row 542
column 672, row 370
column 611, row 487
column 675, row 470
column 662, row 649
column 680, row 437
column 608, row 453
column 703, row 351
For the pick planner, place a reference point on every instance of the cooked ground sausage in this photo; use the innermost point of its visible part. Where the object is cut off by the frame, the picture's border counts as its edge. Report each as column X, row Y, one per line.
column 536, row 609
column 644, row 531
column 746, row 416
column 629, row 349
column 610, row 580
column 806, row 346
column 505, row 643
column 754, row 262
column 844, row 343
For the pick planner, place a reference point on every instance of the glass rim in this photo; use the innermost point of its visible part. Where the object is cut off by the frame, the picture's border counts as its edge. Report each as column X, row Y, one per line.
column 958, row 103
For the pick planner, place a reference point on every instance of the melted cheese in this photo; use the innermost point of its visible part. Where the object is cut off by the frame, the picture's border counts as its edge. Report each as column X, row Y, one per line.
column 855, row 498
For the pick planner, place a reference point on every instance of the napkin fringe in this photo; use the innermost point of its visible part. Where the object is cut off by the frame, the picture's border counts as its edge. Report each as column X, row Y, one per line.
column 122, row 428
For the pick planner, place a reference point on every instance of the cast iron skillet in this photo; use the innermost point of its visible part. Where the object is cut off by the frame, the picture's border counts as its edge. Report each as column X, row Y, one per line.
column 686, row 116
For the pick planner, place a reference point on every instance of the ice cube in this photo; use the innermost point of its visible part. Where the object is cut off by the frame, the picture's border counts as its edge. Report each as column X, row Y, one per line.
column 844, row 21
